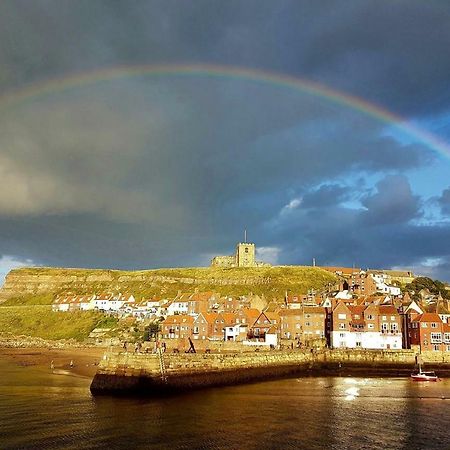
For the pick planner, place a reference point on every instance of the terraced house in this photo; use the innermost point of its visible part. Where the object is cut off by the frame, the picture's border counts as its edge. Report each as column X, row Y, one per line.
column 179, row 326
column 366, row 326
column 266, row 321
column 430, row 333
column 305, row 324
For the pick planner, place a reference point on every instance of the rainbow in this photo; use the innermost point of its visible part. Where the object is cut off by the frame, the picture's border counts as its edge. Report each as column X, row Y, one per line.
column 53, row 86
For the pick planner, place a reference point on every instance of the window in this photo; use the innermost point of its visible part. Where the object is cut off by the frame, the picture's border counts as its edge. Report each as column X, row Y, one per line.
column 436, row 338
column 307, row 316
column 341, row 335
column 357, row 316
column 447, row 337
column 370, row 317
column 436, row 347
column 392, row 317
column 342, row 316
column 434, row 325
column 297, row 326
column 384, row 326
column 383, row 318
column 342, row 326
column 358, row 344
column 246, row 249
column 394, row 327
column 424, row 325
column 308, row 324
column 370, row 326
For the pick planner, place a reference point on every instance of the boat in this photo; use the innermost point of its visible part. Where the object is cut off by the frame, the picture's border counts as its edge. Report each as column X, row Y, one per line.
column 423, row 376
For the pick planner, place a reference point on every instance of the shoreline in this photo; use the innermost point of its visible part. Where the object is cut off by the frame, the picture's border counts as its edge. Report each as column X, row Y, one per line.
column 85, row 360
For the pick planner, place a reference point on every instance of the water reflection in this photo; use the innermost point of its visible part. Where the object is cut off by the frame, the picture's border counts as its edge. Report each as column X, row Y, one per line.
column 41, row 411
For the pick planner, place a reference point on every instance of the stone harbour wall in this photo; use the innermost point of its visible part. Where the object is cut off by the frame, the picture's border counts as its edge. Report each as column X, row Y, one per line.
column 142, row 374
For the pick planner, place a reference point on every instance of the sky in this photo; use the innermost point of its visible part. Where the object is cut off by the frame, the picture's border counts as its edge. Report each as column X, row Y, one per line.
column 148, row 170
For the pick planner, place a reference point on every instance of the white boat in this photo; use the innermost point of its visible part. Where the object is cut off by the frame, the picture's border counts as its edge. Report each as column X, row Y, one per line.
column 424, row 376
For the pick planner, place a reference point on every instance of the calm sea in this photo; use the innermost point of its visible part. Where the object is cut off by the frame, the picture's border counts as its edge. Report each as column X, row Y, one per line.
column 41, row 410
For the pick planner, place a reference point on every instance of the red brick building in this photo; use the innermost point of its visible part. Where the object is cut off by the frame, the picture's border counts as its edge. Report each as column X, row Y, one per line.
column 305, row 324
column 430, row 333
column 179, row 326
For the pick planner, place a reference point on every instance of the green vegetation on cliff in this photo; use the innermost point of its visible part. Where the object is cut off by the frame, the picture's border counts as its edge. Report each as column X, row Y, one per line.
column 435, row 287
column 33, row 285
column 40, row 321
column 30, row 299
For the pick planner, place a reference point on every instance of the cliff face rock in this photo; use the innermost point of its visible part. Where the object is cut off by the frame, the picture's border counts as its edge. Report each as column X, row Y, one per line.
column 275, row 280
column 21, row 282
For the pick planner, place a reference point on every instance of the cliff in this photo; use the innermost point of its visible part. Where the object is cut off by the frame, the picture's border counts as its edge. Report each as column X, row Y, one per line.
column 268, row 281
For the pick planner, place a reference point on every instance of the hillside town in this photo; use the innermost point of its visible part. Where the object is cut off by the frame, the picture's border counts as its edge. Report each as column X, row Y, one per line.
column 366, row 309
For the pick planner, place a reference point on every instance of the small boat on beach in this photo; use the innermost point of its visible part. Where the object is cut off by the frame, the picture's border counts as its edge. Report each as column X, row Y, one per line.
column 421, row 375
column 424, row 376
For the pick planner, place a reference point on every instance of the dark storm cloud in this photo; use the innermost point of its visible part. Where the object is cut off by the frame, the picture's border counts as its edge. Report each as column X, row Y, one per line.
column 394, row 53
column 444, row 202
column 115, row 175
column 340, row 236
column 326, row 195
column 151, row 172
column 393, row 202
column 128, row 148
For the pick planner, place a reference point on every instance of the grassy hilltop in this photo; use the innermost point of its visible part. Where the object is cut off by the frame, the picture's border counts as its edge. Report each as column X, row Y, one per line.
column 30, row 291
column 39, row 285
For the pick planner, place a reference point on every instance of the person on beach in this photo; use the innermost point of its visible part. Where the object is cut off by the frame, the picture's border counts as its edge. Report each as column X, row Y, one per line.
column 52, row 366
column 71, row 363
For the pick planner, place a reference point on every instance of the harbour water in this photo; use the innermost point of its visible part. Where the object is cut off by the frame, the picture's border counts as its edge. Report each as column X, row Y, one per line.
column 39, row 409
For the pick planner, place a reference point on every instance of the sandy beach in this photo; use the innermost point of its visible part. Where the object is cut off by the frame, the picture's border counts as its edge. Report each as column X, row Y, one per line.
column 85, row 360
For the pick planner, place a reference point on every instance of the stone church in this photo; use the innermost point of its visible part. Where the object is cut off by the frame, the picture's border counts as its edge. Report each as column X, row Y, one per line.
column 245, row 256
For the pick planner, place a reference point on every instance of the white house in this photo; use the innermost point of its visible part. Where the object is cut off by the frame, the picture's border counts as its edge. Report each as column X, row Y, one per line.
column 61, row 304
column 177, row 307
column 366, row 326
column 86, row 302
column 236, row 332
column 344, row 295
column 112, row 302
column 72, row 302
column 382, row 284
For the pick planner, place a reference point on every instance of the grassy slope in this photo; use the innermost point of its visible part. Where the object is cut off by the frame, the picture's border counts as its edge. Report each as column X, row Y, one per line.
column 40, row 321
column 31, row 315
column 271, row 282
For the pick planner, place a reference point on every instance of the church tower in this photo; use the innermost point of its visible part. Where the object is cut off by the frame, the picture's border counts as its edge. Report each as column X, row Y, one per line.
column 245, row 253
